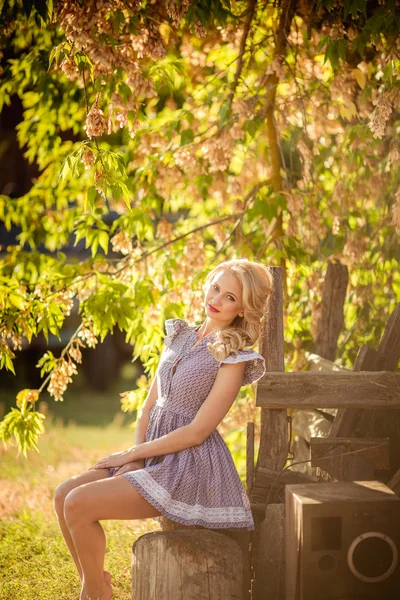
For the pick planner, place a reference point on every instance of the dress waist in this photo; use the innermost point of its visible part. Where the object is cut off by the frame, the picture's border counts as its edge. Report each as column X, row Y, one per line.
column 164, row 403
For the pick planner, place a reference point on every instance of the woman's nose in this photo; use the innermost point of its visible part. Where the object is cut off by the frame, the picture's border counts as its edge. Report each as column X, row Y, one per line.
column 216, row 300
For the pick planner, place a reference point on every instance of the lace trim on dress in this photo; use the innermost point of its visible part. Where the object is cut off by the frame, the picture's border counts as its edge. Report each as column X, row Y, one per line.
column 234, row 514
column 172, row 328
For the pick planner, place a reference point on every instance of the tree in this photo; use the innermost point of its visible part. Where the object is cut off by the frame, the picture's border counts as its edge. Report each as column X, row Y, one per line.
column 212, row 130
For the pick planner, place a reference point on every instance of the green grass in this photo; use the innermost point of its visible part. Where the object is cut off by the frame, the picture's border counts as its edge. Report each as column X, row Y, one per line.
column 34, row 561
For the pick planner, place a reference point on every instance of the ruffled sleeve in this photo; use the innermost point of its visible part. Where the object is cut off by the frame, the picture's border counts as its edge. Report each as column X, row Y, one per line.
column 172, row 328
column 255, row 364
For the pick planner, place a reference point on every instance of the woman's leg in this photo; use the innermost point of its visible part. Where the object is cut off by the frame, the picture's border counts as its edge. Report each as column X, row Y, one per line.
column 60, row 494
column 85, row 506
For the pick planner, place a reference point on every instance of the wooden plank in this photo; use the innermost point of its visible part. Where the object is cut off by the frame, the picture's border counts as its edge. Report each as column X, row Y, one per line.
column 379, row 389
column 273, row 483
column 330, row 321
column 347, row 459
column 250, row 457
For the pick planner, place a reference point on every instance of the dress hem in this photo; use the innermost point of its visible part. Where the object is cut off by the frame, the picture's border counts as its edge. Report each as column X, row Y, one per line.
column 165, row 513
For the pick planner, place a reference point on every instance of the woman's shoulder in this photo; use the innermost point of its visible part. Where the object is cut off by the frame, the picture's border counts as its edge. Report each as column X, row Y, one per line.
column 174, row 327
column 255, row 364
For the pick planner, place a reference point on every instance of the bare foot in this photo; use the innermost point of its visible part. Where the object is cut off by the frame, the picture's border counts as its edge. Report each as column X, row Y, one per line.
column 107, row 577
column 106, row 593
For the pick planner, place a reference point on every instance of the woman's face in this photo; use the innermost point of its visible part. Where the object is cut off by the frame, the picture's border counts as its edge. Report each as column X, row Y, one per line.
column 225, row 294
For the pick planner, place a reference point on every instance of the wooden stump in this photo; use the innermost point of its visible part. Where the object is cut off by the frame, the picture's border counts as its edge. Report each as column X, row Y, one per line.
column 242, row 537
column 189, row 565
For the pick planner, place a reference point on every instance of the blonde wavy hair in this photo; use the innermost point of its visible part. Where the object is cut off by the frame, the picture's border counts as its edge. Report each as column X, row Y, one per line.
column 257, row 285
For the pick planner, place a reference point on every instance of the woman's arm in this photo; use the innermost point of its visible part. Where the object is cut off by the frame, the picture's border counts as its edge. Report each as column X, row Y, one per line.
column 218, row 402
column 143, row 418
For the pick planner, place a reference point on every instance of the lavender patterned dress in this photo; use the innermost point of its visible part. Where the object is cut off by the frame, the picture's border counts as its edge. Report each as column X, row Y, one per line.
column 199, row 485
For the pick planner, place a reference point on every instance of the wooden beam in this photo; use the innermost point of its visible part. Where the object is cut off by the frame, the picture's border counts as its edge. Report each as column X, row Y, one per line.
column 347, row 459
column 302, row 389
column 273, row 483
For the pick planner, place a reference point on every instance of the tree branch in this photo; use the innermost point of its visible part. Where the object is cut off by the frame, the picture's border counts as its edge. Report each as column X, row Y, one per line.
column 246, row 30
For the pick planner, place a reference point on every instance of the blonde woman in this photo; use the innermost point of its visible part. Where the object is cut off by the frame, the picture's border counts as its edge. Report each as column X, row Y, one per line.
column 179, row 466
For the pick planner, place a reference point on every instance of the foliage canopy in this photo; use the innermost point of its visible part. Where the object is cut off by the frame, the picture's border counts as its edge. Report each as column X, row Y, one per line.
column 172, row 135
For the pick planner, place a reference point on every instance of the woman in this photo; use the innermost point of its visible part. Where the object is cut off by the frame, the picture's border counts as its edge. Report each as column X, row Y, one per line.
column 179, row 466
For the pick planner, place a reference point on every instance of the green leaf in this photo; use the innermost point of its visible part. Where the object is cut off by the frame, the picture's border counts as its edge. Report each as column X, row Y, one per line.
column 84, row 63
column 187, row 137
column 17, row 301
column 66, row 168
column 103, row 241
column 91, row 196
column 225, row 112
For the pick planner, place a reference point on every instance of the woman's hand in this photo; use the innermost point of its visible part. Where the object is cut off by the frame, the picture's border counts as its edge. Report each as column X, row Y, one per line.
column 130, row 466
column 117, row 459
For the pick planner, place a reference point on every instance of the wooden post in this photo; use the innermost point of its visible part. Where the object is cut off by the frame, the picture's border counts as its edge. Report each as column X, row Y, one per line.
column 250, row 458
column 273, row 449
column 331, row 320
column 186, row 564
column 274, row 443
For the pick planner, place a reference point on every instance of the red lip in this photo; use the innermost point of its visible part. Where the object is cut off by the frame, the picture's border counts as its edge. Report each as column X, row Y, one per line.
column 213, row 309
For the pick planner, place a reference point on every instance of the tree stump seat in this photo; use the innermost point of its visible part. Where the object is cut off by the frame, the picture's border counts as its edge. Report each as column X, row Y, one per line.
column 192, row 563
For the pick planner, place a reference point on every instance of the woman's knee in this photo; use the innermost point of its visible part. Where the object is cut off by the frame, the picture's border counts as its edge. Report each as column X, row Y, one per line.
column 60, row 493
column 74, row 504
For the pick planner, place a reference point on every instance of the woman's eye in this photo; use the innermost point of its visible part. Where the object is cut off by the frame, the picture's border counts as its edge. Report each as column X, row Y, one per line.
column 216, row 288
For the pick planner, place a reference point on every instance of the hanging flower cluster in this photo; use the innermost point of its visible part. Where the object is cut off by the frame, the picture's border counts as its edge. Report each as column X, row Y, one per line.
column 95, row 122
